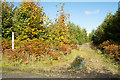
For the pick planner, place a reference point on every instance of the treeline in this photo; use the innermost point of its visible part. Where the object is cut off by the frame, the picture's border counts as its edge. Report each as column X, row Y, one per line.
column 107, row 35
column 78, row 35
column 109, row 29
column 30, row 21
column 36, row 34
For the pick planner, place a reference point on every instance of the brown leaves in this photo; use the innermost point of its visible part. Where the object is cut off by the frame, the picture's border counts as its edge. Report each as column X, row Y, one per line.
column 26, row 62
column 63, row 4
column 65, row 48
column 111, row 48
column 62, row 7
column 54, row 55
column 56, row 5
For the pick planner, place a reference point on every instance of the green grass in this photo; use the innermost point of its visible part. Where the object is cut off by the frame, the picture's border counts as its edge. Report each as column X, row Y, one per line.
column 96, row 55
column 94, row 59
column 44, row 65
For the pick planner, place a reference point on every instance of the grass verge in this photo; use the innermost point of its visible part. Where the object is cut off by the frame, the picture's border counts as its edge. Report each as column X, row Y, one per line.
column 94, row 61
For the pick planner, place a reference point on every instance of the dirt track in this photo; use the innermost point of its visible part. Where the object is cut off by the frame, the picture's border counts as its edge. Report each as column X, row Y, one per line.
column 15, row 73
column 66, row 74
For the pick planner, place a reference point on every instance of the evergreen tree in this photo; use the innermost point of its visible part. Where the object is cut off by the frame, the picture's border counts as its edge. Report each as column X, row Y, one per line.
column 91, row 34
column 109, row 29
column 8, row 12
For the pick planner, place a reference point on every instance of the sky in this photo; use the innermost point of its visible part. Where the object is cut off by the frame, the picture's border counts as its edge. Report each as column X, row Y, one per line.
column 67, row 0
column 88, row 15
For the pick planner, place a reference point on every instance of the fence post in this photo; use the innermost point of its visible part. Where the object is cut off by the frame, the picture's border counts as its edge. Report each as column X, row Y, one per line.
column 12, row 40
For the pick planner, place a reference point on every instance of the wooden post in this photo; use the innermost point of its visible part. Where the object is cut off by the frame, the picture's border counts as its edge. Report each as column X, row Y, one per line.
column 12, row 40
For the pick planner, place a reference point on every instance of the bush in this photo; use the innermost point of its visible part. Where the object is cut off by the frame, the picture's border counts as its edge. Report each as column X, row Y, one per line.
column 105, row 43
column 75, row 46
column 111, row 48
column 26, row 49
column 32, row 50
column 6, row 44
column 65, row 48
column 54, row 55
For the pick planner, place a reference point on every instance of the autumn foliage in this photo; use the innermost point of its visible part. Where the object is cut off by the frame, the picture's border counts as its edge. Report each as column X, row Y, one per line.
column 35, row 34
column 111, row 48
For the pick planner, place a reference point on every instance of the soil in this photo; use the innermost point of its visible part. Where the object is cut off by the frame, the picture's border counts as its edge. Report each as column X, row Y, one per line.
column 55, row 74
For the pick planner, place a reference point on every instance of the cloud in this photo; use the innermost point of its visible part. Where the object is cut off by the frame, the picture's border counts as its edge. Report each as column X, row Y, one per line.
column 91, row 12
